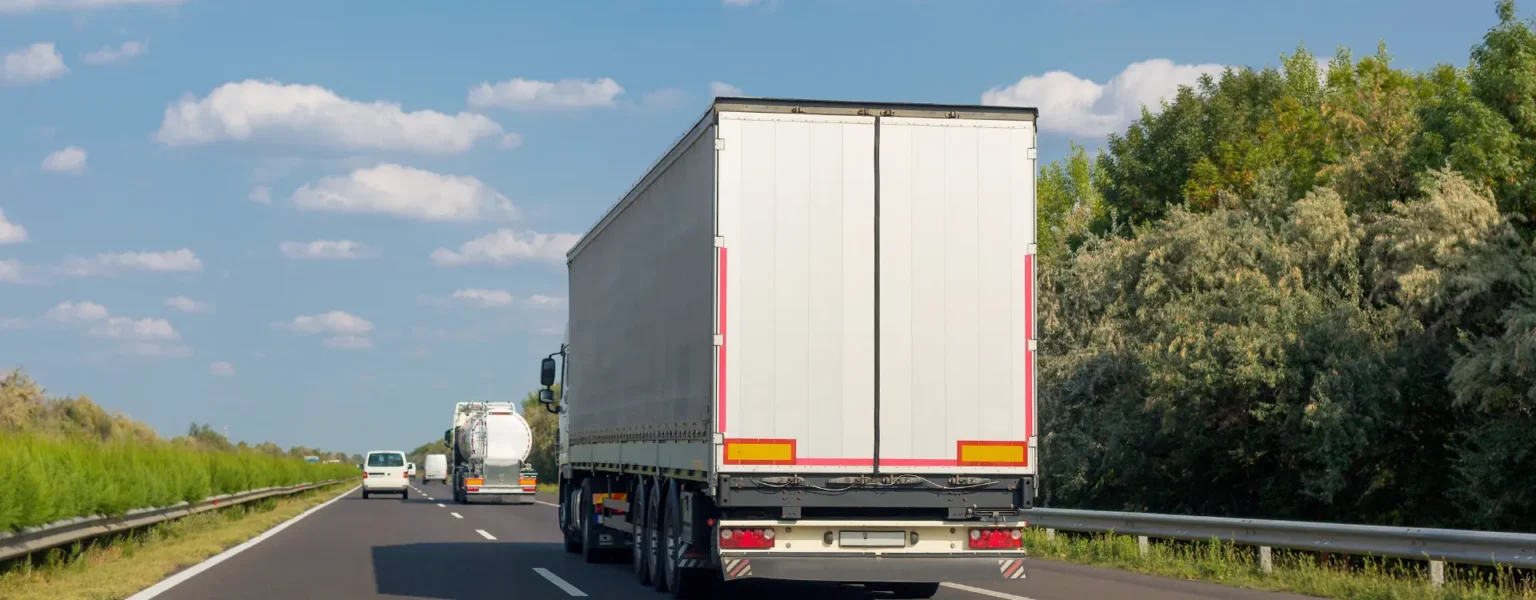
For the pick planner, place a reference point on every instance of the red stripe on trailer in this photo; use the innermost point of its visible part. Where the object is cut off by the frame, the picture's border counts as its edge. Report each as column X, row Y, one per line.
column 721, row 376
column 1029, row 354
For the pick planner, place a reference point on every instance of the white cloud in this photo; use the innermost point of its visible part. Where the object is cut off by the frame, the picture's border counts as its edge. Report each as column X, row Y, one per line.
column 183, row 261
column 108, row 54
column 143, row 334
column 391, row 189
column 124, row 328
column 260, row 194
column 348, row 342
column 10, row 271
column 33, row 64
column 486, row 298
column 505, row 246
column 326, row 250
column 73, row 312
column 313, row 115
column 70, row 160
column 1076, row 106
column 720, row 89
column 10, row 233
column 531, row 94
column 185, row 304
column 25, row 6
column 335, row 321
column 221, row 368
column 542, row 301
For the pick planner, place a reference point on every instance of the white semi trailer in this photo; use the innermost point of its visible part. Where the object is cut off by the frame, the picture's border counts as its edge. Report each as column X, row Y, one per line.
column 489, row 444
column 803, row 347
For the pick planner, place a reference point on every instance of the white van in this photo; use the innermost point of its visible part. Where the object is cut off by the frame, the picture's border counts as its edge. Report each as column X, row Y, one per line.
column 435, row 467
column 384, row 472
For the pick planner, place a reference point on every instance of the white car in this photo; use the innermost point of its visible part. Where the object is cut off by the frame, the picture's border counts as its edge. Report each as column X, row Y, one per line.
column 410, row 469
column 384, row 472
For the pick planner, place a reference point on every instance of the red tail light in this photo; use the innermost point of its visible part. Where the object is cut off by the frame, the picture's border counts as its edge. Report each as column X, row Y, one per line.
column 365, row 475
column 736, row 538
column 406, row 475
column 996, row 539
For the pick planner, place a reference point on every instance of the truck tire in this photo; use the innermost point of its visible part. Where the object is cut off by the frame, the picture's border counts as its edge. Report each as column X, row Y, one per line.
column 910, row 589
column 640, row 546
column 685, row 584
column 590, row 553
column 654, row 549
column 567, row 508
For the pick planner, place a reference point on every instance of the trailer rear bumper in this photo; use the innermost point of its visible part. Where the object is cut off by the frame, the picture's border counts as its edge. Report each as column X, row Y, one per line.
column 873, row 568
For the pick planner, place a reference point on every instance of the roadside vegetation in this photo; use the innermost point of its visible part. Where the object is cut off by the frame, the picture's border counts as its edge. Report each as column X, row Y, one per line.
column 119, row 566
column 1343, row 577
column 67, row 457
column 1303, row 292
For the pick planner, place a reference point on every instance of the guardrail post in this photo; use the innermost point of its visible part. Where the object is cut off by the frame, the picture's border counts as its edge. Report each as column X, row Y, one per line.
column 1266, row 559
column 1143, row 545
column 1437, row 573
column 1050, row 535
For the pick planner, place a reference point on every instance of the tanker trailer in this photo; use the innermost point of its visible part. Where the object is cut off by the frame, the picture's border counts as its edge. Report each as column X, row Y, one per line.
column 489, row 445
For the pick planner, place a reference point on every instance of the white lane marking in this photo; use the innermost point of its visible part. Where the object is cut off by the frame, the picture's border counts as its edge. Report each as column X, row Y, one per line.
column 440, row 505
column 484, row 534
column 984, row 592
column 177, row 579
column 546, row 503
column 456, row 515
column 559, row 583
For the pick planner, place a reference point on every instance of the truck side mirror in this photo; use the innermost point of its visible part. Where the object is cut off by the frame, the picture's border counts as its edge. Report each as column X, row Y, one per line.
column 448, row 437
column 547, row 372
column 547, row 396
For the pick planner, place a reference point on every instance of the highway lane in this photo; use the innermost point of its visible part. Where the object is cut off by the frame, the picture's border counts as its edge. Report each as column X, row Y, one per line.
column 387, row 548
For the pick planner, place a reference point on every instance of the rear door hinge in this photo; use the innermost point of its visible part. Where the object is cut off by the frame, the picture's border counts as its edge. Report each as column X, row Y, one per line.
column 719, row 143
column 719, row 340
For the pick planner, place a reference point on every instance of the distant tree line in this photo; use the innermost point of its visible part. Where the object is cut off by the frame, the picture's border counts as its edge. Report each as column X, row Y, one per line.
column 1302, row 292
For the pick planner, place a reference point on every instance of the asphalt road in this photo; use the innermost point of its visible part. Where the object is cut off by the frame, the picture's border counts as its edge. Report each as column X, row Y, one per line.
column 432, row 548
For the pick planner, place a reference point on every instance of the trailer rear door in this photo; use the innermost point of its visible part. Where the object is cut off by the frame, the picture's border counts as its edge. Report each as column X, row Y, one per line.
column 956, row 267
column 795, row 302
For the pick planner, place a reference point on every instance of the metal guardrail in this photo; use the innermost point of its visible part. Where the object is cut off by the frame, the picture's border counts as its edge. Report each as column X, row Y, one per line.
column 15, row 544
column 1438, row 546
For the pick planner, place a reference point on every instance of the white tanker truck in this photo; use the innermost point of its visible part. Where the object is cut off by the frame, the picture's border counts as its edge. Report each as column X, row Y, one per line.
column 489, row 445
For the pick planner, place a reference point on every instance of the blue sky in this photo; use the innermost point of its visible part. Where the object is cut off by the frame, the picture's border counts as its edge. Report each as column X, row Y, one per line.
column 310, row 223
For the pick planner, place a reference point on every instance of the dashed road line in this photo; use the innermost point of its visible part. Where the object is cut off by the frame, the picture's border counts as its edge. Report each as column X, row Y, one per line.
column 440, row 505
column 456, row 515
column 485, row 535
column 984, row 592
column 546, row 503
column 559, row 583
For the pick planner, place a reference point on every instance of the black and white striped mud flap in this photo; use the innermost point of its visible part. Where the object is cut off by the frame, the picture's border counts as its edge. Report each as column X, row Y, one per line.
column 1011, row 568
column 687, row 559
column 736, row 568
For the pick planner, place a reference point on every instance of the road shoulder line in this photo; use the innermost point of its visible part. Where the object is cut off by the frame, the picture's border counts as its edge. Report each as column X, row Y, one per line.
column 174, row 580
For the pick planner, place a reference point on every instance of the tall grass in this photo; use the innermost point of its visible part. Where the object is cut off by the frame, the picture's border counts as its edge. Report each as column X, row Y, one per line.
column 46, row 479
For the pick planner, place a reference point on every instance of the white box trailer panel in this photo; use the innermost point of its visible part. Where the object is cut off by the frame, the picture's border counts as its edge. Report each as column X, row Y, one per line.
column 799, row 201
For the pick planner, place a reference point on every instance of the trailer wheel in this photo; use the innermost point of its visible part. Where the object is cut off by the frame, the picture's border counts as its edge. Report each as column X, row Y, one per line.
column 567, row 504
column 589, row 550
column 654, row 551
column 640, row 546
column 684, row 583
